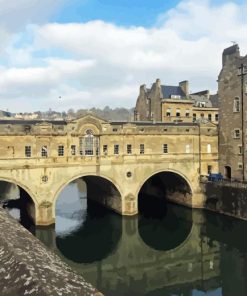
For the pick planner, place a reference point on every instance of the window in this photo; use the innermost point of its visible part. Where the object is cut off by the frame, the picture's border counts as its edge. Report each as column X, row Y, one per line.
column 209, row 149
column 142, row 149
column 116, row 149
column 73, row 149
column 44, row 151
column 209, row 117
column 105, row 149
column 114, row 130
column 240, row 165
column 178, row 113
column 236, row 105
column 165, row 148
column 187, row 148
column 202, row 115
column 168, row 114
column 187, row 114
column 239, row 149
column 209, row 169
column 129, row 149
column 216, row 117
column 88, row 144
column 60, row 150
column 28, row 151
column 194, row 117
column 236, row 133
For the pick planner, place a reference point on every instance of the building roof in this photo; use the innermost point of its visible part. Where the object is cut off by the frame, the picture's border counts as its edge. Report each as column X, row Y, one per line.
column 168, row 91
column 230, row 50
column 214, row 100
column 27, row 122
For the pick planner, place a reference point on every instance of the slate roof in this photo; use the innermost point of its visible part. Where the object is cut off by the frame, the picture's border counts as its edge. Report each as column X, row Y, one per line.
column 214, row 100
column 27, row 122
column 168, row 91
column 230, row 50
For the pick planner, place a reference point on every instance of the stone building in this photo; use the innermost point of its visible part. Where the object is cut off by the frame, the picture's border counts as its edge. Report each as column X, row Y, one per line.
column 232, row 89
column 175, row 104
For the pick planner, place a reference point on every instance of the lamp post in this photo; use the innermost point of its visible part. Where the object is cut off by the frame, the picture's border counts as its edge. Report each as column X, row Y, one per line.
column 242, row 71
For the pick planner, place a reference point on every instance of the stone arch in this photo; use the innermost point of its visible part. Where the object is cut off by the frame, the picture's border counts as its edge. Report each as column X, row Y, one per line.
column 23, row 186
column 164, row 171
column 77, row 176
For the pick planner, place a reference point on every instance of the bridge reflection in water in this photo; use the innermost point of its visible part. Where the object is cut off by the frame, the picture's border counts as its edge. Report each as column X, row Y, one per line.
column 183, row 252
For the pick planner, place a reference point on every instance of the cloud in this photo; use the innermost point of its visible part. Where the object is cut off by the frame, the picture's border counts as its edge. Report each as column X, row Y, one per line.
column 14, row 15
column 99, row 63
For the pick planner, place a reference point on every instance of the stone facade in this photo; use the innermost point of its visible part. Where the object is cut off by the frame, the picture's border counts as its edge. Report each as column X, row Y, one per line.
column 174, row 104
column 232, row 88
column 43, row 157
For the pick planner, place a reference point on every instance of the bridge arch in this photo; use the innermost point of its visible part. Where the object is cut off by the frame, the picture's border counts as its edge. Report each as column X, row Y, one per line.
column 87, row 177
column 22, row 186
column 163, row 185
column 25, row 202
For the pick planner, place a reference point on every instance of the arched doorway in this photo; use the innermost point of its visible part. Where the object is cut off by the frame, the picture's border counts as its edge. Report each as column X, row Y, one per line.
column 228, row 172
column 18, row 203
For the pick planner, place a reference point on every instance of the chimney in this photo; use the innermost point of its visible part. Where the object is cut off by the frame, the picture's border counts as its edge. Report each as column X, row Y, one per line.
column 185, row 87
column 158, row 82
column 229, row 53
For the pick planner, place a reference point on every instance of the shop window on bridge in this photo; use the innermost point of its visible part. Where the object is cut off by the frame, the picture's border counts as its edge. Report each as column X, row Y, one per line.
column 187, row 148
column 60, row 150
column 129, row 149
column 116, row 149
column 73, row 149
column 44, row 151
column 89, row 144
column 142, row 149
column 28, row 151
column 105, row 149
column 209, row 148
column 165, row 148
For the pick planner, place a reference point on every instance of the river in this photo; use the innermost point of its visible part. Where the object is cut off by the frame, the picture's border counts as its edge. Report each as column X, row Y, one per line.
column 183, row 252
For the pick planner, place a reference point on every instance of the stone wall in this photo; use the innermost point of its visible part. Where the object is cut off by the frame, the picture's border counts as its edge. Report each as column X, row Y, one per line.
column 29, row 268
column 226, row 199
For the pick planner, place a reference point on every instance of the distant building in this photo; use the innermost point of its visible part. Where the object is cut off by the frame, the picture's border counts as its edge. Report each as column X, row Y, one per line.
column 174, row 104
column 5, row 114
column 232, row 89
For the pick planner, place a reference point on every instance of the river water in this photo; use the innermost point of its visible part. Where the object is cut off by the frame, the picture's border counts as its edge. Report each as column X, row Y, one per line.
column 185, row 252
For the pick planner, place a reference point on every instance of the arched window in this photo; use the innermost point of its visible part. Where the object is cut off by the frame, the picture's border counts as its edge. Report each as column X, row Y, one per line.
column 89, row 144
column 236, row 105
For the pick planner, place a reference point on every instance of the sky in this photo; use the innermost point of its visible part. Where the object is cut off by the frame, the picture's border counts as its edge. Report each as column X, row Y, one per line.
column 63, row 54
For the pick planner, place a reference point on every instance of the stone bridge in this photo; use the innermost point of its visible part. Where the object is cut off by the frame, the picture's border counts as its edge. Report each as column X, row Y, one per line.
column 117, row 160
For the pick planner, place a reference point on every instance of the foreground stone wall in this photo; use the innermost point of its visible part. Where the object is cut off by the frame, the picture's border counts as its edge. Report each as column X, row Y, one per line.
column 29, row 268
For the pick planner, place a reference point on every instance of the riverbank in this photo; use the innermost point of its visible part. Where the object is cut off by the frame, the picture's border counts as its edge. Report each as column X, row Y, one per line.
column 29, row 268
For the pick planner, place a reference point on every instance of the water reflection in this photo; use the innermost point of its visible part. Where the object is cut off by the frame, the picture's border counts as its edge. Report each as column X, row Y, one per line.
column 184, row 252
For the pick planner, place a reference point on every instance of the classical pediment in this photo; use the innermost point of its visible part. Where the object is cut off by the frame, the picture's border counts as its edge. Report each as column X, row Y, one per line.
column 87, row 122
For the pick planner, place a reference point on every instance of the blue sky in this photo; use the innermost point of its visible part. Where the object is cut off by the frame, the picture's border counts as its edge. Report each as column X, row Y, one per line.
column 98, row 53
column 125, row 12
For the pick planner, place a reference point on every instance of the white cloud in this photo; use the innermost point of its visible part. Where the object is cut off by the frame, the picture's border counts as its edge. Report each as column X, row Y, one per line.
column 14, row 14
column 109, row 62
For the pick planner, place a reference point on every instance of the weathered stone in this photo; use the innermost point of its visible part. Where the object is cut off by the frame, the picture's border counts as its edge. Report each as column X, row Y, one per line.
column 29, row 268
